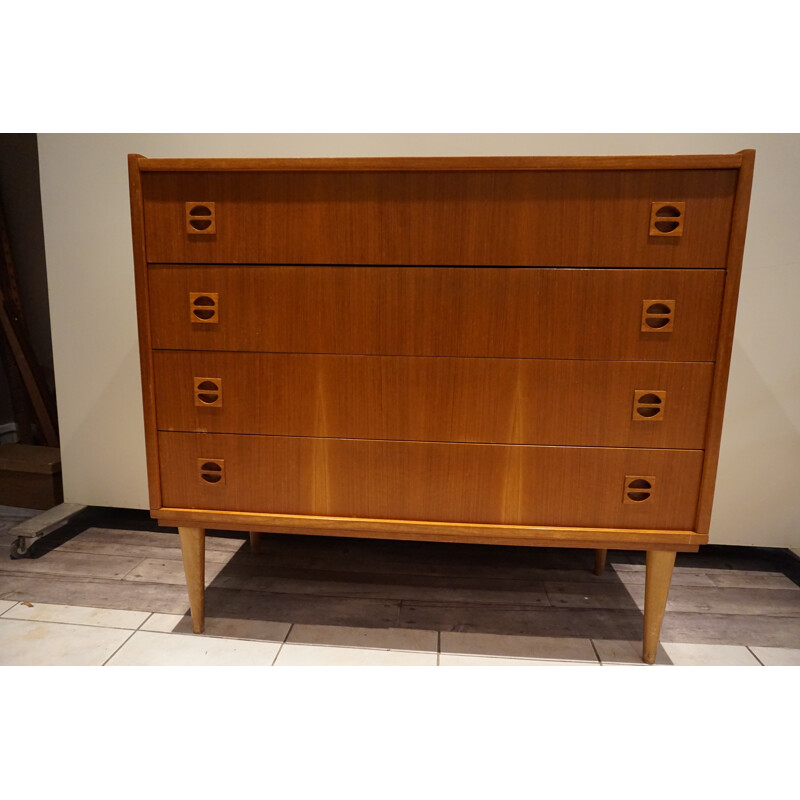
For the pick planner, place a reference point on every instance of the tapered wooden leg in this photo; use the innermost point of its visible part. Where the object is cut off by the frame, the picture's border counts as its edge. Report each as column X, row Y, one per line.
column 255, row 542
column 656, row 589
column 600, row 560
column 193, row 547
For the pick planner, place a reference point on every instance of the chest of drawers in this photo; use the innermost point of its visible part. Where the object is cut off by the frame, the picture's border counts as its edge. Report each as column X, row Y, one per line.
column 528, row 351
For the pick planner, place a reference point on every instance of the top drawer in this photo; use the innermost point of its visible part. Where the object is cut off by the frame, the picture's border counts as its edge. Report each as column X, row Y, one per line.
column 559, row 219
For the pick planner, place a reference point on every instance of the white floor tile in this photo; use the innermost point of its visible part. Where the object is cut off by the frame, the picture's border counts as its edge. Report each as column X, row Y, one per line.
column 710, row 655
column 375, row 638
column 147, row 648
column 79, row 615
column 777, row 656
column 451, row 660
column 615, row 652
column 34, row 643
column 260, row 630
column 546, row 647
column 306, row 655
column 6, row 604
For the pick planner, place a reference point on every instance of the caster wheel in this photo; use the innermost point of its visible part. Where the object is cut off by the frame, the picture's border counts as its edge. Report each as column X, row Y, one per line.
column 19, row 549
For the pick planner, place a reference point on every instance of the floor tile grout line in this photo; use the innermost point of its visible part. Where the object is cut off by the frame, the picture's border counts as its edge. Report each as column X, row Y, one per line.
column 750, row 650
column 78, row 624
column 132, row 569
column 192, row 634
column 570, row 661
column 438, row 648
column 291, row 625
column 596, row 653
column 10, row 608
column 149, row 616
column 127, row 639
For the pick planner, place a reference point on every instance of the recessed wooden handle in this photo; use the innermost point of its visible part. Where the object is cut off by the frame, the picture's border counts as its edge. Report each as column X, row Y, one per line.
column 201, row 218
column 638, row 488
column 208, row 392
column 666, row 218
column 658, row 316
column 204, row 306
column 211, row 470
column 648, row 404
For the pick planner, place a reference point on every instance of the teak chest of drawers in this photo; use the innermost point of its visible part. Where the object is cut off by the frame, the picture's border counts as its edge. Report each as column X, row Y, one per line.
column 527, row 351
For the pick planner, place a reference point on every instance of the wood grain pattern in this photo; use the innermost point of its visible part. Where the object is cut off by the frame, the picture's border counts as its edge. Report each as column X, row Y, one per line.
column 513, row 401
column 443, row 163
column 508, row 313
column 659, row 575
column 445, row 532
column 559, row 219
column 193, row 548
column 141, row 276
column 502, row 484
column 725, row 341
column 424, row 348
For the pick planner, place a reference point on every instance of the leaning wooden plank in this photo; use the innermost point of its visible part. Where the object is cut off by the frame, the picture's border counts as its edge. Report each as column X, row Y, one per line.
column 31, row 377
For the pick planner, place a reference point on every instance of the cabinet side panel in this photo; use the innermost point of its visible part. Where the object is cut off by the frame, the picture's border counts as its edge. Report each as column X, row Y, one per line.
column 730, row 299
column 143, row 319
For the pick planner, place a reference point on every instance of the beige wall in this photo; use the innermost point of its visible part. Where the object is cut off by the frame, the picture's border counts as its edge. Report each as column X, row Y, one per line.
column 90, row 274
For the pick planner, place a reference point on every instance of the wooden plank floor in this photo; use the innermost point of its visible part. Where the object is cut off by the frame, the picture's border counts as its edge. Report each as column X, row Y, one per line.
column 118, row 559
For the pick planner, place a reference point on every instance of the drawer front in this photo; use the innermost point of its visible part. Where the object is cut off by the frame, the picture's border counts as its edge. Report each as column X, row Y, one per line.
column 488, row 312
column 432, row 481
column 570, row 219
column 514, row 401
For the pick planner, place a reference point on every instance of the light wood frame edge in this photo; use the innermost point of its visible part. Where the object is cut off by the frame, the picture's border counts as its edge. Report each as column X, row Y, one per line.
column 443, row 163
column 719, row 386
column 542, row 536
column 143, row 318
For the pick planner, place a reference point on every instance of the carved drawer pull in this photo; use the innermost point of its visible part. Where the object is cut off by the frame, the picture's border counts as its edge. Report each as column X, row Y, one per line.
column 201, row 218
column 648, row 404
column 666, row 218
column 204, row 306
column 211, row 470
column 638, row 488
column 208, row 392
column 658, row 316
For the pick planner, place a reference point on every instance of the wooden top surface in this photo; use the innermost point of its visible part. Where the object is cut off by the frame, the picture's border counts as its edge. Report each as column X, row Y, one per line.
column 436, row 164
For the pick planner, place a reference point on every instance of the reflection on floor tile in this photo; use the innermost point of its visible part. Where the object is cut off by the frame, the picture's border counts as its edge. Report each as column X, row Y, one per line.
column 152, row 570
column 79, row 615
column 777, row 656
column 32, row 643
column 374, row 638
column 747, row 579
column 306, row 655
column 451, row 660
column 685, row 578
column 6, row 604
column 261, row 630
column 709, row 655
column 617, row 652
column 147, row 648
column 546, row 647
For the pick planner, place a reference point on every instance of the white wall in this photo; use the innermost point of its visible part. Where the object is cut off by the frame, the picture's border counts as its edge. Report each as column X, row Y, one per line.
column 95, row 348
